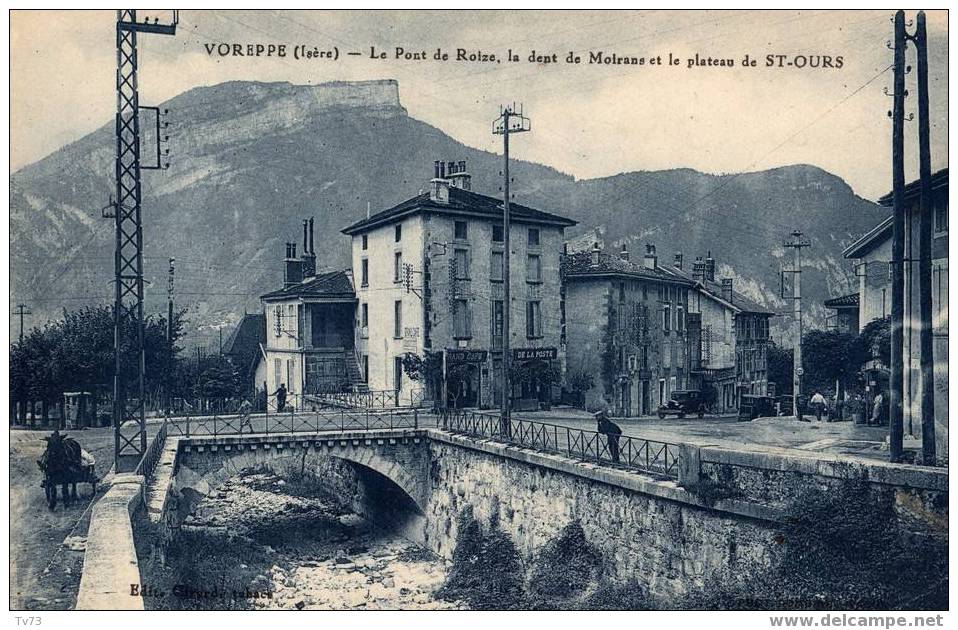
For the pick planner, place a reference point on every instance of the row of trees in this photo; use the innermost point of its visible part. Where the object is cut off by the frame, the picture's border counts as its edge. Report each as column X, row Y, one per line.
column 830, row 357
column 76, row 354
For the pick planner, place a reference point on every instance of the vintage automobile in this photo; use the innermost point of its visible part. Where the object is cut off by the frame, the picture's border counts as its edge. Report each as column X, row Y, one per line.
column 753, row 406
column 684, row 402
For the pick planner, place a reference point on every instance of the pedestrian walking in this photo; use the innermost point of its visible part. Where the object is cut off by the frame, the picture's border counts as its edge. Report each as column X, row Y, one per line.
column 611, row 430
column 819, row 405
column 280, row 394
column 246, row 410
column 878, row 408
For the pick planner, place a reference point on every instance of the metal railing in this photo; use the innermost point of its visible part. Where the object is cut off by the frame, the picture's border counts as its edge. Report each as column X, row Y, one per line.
column 298, row 422
column 151, row 457
column 376, row 399
column 660, row 458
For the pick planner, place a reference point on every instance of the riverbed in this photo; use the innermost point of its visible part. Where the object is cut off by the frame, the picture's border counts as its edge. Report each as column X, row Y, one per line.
column 262, row 542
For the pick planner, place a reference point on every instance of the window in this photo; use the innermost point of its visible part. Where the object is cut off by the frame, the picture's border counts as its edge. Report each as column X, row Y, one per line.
column 399, row 232
column 497, row 235
column 365, row 242
column 462, row 264
column 364, row 272
column 397, row 267
column 666, row 317
column 495, row 266
column 397, row 373
column 461, row 319
column 533, row 237
column 364, row 315
column 497, row 317
column 397, row 319
column 462, row 230
column 533, row 268
column 533, row 319
column 680, row 318
column 365, row 368
column 621, row 292
column 941, row 216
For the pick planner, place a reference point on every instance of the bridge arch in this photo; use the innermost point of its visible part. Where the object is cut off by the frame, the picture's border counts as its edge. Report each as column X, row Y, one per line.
column 392, row 487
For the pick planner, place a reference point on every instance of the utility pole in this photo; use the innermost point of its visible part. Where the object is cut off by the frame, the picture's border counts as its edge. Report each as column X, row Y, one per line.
column 129, row 420
column 169, row 334
column 925, row 210
column 21, row 311
column 508, row 122
column 895, row 381
column 797, row 242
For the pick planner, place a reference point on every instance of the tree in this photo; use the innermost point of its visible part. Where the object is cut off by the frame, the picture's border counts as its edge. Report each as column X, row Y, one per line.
column 875, row 340
column 780, row 368
column 830, row 357
column 579, row 383
column 217, row 379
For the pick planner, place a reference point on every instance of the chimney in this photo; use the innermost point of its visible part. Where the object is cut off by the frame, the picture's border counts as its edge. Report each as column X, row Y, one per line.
column 727, row 294
column 698, row 269
column 595, row 254
column 458, row 177
column 651, row 260
column 709, row 267
column 294, row 267
column 309, row 256
column 678, row 260
column 439, row 193
column 624, row 254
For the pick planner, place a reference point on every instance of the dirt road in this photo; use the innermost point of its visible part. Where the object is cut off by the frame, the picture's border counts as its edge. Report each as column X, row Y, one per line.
column 44, row 575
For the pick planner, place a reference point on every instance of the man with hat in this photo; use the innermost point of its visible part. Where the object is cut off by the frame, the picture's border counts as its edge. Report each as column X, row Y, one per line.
column 611, row 430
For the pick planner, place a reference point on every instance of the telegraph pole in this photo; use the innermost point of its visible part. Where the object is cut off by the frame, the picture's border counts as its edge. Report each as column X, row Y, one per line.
column 925, row 339
column 129, row 419
column 797, row 242
column 508, row 122
column 169, row 334
column 895, row 381
column 21, row 311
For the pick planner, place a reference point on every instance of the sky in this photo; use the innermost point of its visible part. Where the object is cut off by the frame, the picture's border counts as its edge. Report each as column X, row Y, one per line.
column 588, row 120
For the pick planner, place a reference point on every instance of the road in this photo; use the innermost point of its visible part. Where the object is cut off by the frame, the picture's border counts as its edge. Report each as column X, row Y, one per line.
column 785, row 432
column 37, row 534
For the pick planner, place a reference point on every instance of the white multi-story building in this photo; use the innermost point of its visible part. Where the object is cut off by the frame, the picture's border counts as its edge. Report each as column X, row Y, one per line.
column 428, row 276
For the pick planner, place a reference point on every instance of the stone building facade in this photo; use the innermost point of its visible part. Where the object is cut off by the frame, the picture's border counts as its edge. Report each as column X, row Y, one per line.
column 429, row 281
column 626, row 327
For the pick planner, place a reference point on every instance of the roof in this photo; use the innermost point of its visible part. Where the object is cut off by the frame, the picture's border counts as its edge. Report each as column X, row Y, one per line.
column 845, row 301
column 243, row 345
column 332, row 284
column 463, row 202
column 882, row 232
column 579, row 265
column 870, row 240
column 739, row 303
column 939, row 180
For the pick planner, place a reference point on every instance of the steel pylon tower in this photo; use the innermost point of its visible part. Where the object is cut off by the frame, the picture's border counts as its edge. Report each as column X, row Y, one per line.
column 129, row 420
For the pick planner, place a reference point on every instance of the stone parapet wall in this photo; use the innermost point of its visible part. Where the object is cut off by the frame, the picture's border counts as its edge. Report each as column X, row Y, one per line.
column 110, row 564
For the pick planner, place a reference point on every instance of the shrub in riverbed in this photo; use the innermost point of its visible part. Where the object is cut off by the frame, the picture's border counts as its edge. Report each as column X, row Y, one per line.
column 486, row 571
column 565, row 567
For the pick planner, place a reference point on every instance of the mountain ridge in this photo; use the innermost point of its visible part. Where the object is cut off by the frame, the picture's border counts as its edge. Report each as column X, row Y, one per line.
column 252, row 160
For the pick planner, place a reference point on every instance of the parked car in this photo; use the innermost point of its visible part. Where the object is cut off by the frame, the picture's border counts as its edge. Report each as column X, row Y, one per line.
column 753, row 406
column 785, row 404
column 682, row 402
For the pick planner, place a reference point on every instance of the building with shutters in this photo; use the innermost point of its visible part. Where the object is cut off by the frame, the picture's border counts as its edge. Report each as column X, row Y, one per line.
column 429, row 281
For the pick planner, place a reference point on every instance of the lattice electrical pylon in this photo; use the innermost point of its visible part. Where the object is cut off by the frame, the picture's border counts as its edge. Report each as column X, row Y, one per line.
column 129, row 419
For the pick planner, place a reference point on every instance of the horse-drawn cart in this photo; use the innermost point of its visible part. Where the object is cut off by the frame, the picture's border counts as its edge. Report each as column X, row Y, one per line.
column 65, row 464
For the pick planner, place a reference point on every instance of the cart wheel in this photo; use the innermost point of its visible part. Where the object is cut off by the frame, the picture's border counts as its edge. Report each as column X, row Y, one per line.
column 701, row 415
column 661, row 415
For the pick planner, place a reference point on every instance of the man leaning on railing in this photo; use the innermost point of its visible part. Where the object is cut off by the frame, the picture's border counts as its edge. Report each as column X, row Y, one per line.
column 611, row 430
